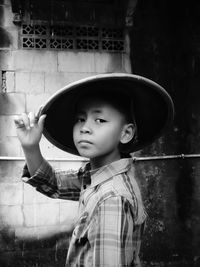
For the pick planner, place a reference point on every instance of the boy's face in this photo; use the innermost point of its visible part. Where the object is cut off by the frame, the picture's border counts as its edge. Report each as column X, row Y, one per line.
column 98, row 129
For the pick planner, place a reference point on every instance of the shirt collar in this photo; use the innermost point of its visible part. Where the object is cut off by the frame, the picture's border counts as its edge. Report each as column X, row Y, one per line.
column 106, row 172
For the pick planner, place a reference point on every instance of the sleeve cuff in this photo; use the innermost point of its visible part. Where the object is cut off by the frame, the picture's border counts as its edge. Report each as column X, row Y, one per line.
column 26, row 177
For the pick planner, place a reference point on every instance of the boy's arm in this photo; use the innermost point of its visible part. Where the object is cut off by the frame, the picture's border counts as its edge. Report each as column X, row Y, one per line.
column 29, row 131
column 116, row 238
column 54, row 183
column 38, row 172
column 34, row 159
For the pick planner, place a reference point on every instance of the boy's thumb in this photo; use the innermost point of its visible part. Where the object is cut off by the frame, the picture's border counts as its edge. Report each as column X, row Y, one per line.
column 38, row 114
column 41, row 120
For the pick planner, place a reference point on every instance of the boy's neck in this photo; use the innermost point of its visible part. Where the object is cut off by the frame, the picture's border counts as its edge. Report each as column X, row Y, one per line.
column 101, row 161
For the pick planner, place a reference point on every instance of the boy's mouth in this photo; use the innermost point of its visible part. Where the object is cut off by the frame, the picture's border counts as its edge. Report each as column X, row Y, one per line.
column 84, row 142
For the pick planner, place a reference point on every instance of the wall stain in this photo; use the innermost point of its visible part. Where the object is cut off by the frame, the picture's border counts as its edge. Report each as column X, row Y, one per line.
column 5, row 38
column 162, row 49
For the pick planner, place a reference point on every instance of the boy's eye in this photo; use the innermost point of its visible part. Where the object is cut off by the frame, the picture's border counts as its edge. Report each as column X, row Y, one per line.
column 100, row 120
column 79, row 119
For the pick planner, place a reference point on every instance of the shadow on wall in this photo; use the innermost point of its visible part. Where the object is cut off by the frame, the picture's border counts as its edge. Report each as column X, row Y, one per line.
column 47, row 251
column 4, row 38
column 165, row 48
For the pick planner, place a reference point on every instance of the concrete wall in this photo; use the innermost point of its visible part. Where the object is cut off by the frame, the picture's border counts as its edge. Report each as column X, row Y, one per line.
column 34, row 229
column 165, row 47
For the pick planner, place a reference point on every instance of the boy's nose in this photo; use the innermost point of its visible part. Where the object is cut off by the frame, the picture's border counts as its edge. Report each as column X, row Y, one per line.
column 85, row 128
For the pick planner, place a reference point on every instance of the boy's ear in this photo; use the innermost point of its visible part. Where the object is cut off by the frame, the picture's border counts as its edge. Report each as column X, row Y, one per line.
column 128, row 133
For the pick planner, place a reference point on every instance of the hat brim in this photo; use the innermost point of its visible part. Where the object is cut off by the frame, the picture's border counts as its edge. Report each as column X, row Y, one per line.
column 153, row 108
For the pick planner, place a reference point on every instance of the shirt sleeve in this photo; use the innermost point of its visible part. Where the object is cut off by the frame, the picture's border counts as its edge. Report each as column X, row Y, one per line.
column 116, row 240
column 54, row 183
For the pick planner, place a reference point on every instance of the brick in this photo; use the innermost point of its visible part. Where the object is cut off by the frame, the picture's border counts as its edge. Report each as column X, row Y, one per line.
column 49, row 230
column 26, row 238
column 29, row 213
column 68, row 213
column 25, row 233
column 52, row 151
column 75, row 62
column 13, row 32
column 10, row 146
column 8, row 17
column 10, row 171
column 41, row 214
column 33, row 102
column 60, row 79
column 7, row 126
column 12, row 103
column 31, row 196
column 73, row 77
column 10, row 81
column 108, row 62
column 11, row 215
column 11, row 36
column 7, row 258
column 5, row 39
column 6, row 60
column 71, row 164
column 23, row 258
column 34, row 61
column 30, row 82
column 7, row 239
column 49, row 242
column 126, row 63
column 54, row 82
column 11, row 193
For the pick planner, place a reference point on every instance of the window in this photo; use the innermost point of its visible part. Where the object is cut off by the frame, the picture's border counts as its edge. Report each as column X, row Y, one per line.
column 71, row 37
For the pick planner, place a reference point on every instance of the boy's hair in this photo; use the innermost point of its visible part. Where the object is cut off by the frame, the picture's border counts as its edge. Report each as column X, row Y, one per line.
column 119, row 101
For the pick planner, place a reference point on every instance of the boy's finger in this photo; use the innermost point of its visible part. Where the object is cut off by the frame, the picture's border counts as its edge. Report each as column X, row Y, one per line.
column 26, row 120
column 19, row 122
column 17, row 118
column 31, row 117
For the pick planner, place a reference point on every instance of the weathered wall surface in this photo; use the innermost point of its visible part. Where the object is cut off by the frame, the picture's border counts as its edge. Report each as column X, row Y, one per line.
column 165, row 48
column 35, row 230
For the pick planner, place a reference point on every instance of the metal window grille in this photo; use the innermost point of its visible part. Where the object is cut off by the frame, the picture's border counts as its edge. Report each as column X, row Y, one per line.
column 68, row 37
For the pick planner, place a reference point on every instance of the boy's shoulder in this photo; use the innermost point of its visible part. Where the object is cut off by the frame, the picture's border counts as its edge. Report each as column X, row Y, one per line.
column 121, row 183
column 125, row 185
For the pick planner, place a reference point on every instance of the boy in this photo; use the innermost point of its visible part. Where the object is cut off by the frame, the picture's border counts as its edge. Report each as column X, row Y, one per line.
column 101, row 118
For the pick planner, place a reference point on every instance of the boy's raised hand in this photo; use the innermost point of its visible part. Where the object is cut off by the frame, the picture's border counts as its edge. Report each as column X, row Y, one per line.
column 29, row 129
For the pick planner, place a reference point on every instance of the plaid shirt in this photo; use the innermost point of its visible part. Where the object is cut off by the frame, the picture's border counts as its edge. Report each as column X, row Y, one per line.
column 111, row 214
